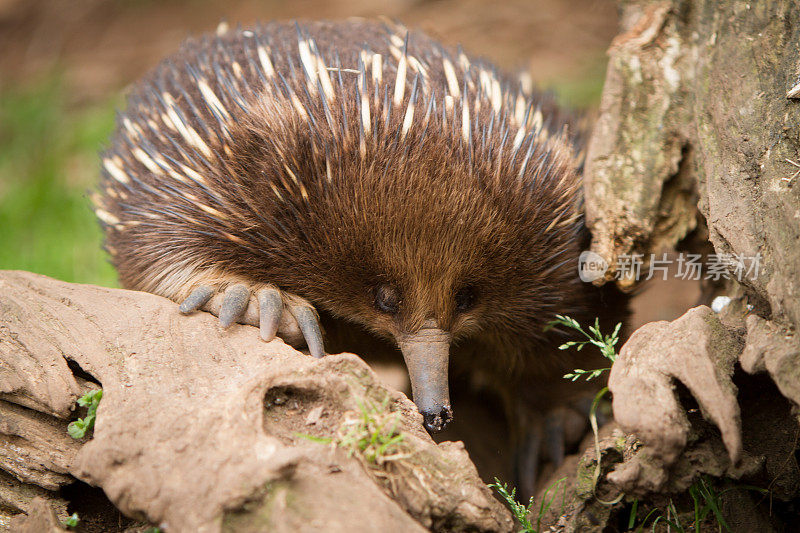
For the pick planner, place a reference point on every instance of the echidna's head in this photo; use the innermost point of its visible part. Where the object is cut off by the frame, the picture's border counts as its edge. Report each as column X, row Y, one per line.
column 422, row 234
column 437, row 252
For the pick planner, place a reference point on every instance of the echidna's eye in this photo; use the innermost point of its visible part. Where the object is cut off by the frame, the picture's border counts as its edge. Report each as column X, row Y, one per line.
column 387, row 299
column 465, row 299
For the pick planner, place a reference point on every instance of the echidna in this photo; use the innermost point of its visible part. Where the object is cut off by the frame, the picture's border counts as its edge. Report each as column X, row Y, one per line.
column 367, row 172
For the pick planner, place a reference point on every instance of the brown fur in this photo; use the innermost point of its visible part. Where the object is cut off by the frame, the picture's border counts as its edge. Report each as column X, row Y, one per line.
column 330, row 213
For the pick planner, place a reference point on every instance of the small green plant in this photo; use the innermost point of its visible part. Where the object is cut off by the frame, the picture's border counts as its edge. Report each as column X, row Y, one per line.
column 705, row 500
column 670, row 519
column 90, row 400
column 72, row 521
column 608, row 348
column 371, row 432
column 522, row 513
column 606, row 343
column 632, row 517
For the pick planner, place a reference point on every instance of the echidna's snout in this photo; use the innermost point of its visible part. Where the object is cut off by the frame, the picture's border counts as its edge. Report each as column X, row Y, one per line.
column 437, row 421
column 427, row 354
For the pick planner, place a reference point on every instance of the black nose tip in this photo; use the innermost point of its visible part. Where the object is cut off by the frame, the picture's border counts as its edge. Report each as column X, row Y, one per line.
column 437, row 420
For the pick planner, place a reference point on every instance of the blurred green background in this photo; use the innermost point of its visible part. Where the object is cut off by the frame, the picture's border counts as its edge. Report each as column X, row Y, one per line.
column 47, row 164
column 64, row 67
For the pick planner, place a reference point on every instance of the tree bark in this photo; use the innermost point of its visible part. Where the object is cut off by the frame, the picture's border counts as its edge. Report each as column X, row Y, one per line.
column 696, row 147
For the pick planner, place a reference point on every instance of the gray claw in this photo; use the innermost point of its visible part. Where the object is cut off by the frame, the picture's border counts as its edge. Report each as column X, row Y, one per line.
column 554, row 438
column 270, row 308
column 199, row 297
column 234, row 304
column 527, row 463
column 309, row 325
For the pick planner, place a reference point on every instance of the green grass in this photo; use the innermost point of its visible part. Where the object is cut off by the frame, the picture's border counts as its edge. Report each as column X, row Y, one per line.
column 48, row 162
column 702, row 513
column 370, row 433
column 523, row 514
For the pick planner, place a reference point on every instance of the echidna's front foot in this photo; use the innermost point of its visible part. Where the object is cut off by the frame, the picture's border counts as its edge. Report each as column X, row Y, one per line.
column 278, row 313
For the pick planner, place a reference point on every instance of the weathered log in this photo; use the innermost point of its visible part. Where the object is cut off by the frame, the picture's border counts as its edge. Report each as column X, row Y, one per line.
column 202, row 430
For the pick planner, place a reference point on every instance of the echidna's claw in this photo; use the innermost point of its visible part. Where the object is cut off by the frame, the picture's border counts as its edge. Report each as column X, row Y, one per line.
column 199, row 297
column 275, row 312
column 544, row 442
column 526, row 462
column 270, row 308
column 554, row 438
column 234, row 304
column 309, row 325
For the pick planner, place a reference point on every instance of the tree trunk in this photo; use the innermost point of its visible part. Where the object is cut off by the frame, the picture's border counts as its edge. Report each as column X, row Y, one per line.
column 697, row 147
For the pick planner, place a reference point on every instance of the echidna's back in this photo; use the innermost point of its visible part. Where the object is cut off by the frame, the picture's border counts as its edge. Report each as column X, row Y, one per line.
column 173, row 181
column 216, row 76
